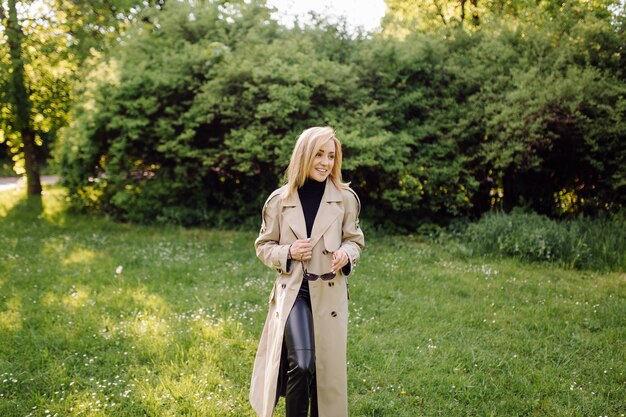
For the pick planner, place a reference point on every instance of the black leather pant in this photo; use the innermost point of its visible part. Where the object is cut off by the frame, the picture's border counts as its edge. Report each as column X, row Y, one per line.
column 301, row 385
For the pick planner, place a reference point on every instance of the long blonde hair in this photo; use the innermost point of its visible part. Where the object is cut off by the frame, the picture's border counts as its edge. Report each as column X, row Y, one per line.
column 307, row 146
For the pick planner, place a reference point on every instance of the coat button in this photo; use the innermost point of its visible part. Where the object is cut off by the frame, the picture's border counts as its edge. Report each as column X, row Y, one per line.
column 334, row 314
column 330, row 284
column 284, row 286
column 324, row 252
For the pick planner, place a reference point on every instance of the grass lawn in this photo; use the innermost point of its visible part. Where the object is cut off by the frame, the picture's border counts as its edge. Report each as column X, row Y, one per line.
column 174, row 332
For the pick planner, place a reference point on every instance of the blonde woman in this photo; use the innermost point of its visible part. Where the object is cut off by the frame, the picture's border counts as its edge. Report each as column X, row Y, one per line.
column 311, row 236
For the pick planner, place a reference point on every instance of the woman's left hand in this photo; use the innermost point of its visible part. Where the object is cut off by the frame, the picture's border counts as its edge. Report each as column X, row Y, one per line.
column 340, row 259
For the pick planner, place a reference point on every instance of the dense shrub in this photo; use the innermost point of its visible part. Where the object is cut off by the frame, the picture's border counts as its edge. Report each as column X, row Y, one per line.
column 576, row 243
column 192, row 119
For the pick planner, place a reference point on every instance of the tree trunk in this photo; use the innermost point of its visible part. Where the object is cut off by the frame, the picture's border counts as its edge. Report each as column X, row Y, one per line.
column 475, row 15
column 462, row 11
column 20, row 99
column 33, row 176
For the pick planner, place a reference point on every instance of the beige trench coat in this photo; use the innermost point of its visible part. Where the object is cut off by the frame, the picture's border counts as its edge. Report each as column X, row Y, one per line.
column 336, row 226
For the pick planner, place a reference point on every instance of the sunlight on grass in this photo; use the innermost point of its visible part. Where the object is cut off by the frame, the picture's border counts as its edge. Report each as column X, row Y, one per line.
column 8, row 200
column 174, row 333
column 152, row 303
column 49, row 299
column 208, row 330
column 54, row 205
column 54, row 248
column 11, row 318
column 79, row 297
column 201, row 389
column 78, row 256
column 150, row 333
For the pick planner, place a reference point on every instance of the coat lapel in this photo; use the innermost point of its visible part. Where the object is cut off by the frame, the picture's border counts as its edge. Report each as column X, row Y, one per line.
column 294, row 216
column 328, row 212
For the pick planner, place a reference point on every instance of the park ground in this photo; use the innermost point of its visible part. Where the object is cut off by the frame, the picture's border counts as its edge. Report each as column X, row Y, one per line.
column 15, row 183
column 99, row 318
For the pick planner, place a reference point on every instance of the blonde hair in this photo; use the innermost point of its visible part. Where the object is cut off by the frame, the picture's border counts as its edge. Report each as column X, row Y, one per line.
column 304, row 152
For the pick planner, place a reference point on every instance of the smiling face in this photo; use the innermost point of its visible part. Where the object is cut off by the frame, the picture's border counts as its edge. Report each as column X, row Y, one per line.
column 323, row 162
column 316, row 155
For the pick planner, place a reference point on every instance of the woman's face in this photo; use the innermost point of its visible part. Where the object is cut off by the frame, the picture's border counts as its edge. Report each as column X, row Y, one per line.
column 323, row 162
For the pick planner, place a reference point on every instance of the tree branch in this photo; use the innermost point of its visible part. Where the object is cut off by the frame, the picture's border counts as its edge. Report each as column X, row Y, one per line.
column 462, row 10
column 440, row 12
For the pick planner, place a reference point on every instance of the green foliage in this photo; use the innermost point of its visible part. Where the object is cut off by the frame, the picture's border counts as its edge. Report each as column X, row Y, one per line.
column 193, row 118
column 176, row 127
column 576, row 243
column 548, row 131
column 429, row 175
column 407, row 16
column 56, row 38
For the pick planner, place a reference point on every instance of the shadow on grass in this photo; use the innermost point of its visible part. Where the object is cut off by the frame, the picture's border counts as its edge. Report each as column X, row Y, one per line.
column 172, row 335
column 26, row 209
column 76, row 339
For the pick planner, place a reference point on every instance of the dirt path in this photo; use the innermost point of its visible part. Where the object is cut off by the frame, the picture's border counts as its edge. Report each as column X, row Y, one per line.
column 11, row 183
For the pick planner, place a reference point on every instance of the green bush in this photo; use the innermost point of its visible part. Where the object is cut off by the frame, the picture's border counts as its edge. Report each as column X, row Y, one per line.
column 193, row 118
column 577, row 243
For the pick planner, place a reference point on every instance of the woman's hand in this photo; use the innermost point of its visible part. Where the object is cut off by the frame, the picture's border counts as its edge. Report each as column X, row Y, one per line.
column 340, row 259
column 301, row 250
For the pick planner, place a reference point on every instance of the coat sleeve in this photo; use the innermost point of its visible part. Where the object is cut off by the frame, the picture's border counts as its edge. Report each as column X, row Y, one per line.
column 268, row 247
column 352, row 239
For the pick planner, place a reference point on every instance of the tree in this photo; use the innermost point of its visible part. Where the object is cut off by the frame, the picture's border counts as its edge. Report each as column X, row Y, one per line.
column 407, row 16
column 192, row 119
column 541, row 90
column 44, row 45
column 19, row 97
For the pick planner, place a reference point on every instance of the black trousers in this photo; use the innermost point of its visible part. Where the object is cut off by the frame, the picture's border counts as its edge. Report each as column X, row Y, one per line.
column 300, row 342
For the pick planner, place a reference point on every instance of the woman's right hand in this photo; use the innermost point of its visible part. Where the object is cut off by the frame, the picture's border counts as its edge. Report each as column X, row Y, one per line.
column 301, row 250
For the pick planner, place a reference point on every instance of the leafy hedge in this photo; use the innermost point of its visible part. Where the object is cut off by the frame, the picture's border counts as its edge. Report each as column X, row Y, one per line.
column 193, row 118
column 576, row 243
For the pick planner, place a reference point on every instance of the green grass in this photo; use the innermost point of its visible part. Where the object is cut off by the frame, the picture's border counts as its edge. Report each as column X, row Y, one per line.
column 580, row 243
column 175, row 333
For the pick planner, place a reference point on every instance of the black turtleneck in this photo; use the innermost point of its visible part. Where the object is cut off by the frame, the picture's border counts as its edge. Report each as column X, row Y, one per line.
column 310, row 197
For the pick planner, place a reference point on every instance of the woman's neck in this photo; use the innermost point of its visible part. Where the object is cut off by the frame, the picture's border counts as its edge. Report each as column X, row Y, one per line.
column 311, row 184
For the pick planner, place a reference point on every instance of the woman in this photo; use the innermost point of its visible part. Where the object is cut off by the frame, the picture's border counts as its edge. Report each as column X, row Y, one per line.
column 311, row 236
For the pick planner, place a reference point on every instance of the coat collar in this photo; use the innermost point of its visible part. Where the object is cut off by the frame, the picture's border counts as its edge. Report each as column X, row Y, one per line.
column 329, row 210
